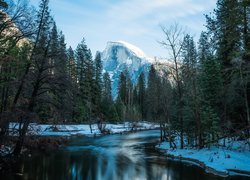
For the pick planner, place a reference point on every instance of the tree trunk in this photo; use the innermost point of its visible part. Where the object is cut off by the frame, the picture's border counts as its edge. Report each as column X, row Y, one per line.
column 22, row 133
column 161, row 131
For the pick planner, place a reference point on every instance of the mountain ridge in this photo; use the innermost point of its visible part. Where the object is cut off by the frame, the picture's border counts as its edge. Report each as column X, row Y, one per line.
column 119, row 56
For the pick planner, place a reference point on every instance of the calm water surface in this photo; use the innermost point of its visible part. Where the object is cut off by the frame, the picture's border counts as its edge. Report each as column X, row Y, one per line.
column 114, row 157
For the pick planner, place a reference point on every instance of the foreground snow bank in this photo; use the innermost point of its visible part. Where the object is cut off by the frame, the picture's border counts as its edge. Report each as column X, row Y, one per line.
column 218, row 160
column 78, row 129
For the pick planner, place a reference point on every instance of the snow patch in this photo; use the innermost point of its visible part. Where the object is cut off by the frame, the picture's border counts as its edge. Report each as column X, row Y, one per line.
column 137, row 51
column 119, row 56
column 77, row 129
column 218, row 158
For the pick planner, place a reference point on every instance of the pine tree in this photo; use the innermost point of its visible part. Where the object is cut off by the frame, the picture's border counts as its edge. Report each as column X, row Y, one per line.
column 71, row 67
column 45, row 110
column 127, row 107
column 230, row 31
column 191, row 94
column 141, row 94
column 211, row 89
column 245, row 6
column 245, row 65
column 39, row 76
column 129, row 89
column 72, row 75
column 85, row 77
column 227, row 31
column 81, row 53
column 135, row 101
column 106, row 92
column 61, row 84
column 152, row 95
column 122, row 88
column 107, row 106
column 98, row 80
column 166, row 109
column 120, row 108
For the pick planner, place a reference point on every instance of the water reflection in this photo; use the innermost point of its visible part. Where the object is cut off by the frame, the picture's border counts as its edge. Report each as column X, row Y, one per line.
column 119, row 157
column 115, row 157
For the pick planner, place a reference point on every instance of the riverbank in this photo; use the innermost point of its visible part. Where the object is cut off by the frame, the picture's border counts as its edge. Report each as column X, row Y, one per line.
column 80, row 129
column 223, row 161
column 49, row 137
column 45, row 144
column 127, row 156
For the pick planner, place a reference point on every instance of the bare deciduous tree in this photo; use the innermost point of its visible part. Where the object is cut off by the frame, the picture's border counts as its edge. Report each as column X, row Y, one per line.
column 174, row 36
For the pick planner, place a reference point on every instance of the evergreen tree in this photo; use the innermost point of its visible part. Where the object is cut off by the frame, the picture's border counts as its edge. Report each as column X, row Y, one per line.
column 45, row 110
column 40, row 74
column 227, row 31
column 245, row 6
column 86, row 80
column 229, row 28
column 106, row 92
column 129, row 89
column 211, row 89
column 122, row 88
column 166, row 108
column 191, row 94
column 243, row 68
column 113, row 116
column 141, row 94
column 152, row 95
column 62, row 84
column 135, row 100
column 120, row 108
column 107, row 107
column 98, row 80
column 73, row 86
column 71, row 67
column 127, row 107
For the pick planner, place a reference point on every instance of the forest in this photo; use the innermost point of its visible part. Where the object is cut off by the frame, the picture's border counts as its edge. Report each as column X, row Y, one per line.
column 202, row 97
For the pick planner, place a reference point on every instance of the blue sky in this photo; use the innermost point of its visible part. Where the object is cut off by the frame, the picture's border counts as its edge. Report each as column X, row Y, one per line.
column 134, row 21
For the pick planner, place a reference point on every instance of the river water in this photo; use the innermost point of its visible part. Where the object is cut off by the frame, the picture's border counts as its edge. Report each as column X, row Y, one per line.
column 114, row 157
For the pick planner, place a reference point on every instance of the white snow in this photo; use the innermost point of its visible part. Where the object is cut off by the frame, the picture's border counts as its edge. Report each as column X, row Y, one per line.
column 218, row 158
column 77, row 129
column 119, row 56
column 122, row 57
column 137, row 51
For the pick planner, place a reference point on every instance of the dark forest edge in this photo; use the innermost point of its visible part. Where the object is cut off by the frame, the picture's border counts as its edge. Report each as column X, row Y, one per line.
column 202, row 97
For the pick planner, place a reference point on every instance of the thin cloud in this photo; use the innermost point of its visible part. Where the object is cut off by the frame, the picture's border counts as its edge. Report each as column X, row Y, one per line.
column 135, row 21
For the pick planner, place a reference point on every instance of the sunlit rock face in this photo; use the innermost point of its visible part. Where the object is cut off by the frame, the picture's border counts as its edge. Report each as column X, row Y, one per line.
column 120, row 56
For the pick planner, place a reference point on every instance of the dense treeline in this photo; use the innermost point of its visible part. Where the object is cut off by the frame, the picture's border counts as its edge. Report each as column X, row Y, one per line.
column 43, row 81
column 210, row 92
column 204, row 94
column 200, row 97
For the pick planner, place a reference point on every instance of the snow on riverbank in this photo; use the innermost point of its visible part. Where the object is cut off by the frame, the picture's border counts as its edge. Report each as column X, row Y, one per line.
column 78, row 129
column 223, row 161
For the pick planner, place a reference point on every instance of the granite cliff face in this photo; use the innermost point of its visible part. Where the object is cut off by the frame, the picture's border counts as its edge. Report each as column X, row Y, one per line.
column 120, row 56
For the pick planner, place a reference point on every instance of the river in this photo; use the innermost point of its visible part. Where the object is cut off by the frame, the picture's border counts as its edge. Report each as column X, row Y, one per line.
column 114, row 157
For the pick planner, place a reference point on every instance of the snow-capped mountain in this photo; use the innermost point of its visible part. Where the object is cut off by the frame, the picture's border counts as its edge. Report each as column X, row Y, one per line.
column 119, row 56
